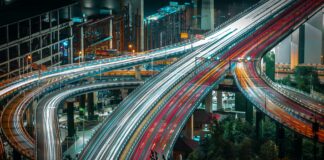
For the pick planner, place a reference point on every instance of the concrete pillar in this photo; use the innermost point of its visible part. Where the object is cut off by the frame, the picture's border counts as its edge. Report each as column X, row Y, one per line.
column 298, row 147
column 258, row 124
column 82, row 100
column 124, row 93
column 70, row 118
column 95, row 98
column 29, row 118
column 209, row 102
column 244, row 105
column 207, row 15
column 219, row 97
column 189, row 130
column 280, row 140
column 138, row 75
column 16, row 155
column 322, row 56
column 90, row 106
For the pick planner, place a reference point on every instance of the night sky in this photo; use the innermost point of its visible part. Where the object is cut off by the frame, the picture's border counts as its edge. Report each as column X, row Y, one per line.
column 151, row 6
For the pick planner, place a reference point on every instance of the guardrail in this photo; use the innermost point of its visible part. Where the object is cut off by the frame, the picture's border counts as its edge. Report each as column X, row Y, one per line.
column 284, row 90
column 261, row 108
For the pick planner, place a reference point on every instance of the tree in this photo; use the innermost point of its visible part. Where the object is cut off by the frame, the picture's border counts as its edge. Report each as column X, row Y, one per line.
column 269, row 131
column 316, row 83
column 268, row 150
column 305, row 77
column 197, row 154
column 269, row 60
column 236, row 129
column 245, row 149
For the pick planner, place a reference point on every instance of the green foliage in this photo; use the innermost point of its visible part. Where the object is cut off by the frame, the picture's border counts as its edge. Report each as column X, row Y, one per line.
column 268, row 151
column 269, row 60
column 197, row 154
column 269, row 130
column 229, row 141
column 287, row 81
column 303, row 77
column 233, row 139
column 245, row 149
column 307, row 78
column 235, row 129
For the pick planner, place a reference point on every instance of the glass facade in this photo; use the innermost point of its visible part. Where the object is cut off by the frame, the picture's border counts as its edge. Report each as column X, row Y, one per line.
column 38, row 37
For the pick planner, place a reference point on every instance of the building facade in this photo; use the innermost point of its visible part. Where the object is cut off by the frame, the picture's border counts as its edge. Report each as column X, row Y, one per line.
column 38, row 41
column 165, row 27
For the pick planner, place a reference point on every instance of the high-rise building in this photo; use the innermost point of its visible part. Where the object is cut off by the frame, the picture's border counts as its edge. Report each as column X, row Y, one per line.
column 165, row 27
column 34, row 36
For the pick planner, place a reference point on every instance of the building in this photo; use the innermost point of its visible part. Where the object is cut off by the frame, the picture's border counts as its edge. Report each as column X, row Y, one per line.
column 34, row 35
column 165, row 27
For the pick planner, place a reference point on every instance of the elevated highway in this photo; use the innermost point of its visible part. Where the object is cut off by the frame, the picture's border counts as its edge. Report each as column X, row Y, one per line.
column 153, row 106
column 48, row 141
column 157, row 111
column 162, row 131
column 159, row 107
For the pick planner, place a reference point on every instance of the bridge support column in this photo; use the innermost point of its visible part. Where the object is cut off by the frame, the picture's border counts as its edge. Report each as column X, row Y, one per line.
column 322, row 56
column 298, row 147
column 95, row 98
column 124, row 93
column 70, row 118
column 219, row 97
column 244, row 105
column 29, row 119
column 280, row 140
column 209, row 102
column 207, row 15
column 16, row 155
column 90, row 106
column 138, row 75
column 82, row 100
column 189, row 130
column 258, row 124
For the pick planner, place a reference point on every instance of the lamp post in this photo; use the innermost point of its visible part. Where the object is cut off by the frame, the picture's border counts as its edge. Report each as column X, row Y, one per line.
column 29, row 59
column 80, row 56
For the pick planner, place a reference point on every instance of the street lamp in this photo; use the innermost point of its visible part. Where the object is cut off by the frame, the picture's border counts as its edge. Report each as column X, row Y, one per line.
column 29, row 59
column 80, row 56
